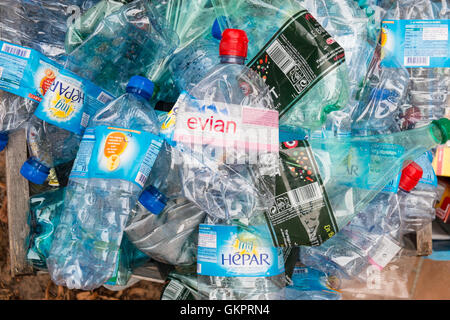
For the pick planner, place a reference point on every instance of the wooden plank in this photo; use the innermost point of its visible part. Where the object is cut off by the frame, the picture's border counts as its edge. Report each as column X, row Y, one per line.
column 424, row 241
column 18, row 206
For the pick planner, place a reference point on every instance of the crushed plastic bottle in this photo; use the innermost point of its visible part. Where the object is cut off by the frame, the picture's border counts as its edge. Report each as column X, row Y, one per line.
column 55, row 131
column 427, row 64
column 341, row 176
column 115, row 157
column 191, row 64
column 378, row 105
column 376, row 235
column 84, row 25
column 44, row 218
column 165, row 230
column 235, row 186
column 349, row 26
column 286, row 51
column 132, row 40
column 243, row 266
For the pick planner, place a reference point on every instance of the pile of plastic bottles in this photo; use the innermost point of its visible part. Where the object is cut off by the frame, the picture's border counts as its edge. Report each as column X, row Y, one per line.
column 263, row 149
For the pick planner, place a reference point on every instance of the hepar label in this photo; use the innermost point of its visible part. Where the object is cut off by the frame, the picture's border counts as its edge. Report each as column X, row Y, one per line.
column 230, row 251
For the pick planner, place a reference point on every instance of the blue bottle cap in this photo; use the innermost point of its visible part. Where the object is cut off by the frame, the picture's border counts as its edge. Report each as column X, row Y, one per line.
column 34, row 171
column 3, row 140
column 216, row 30
column 141, row 86
column 153, row 200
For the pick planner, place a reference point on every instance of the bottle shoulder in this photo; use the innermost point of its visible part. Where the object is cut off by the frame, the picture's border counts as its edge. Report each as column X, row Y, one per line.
column 128, row 111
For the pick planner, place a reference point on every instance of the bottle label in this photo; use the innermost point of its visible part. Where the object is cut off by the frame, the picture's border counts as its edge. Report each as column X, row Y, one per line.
column 385, row 251
column 71, row 101
column 230, row 251
column 415, row 43
column 200, row 122
column 302, row 214
column 298, row 56
column 365, row 162
column 26, row 72
column 116, row 153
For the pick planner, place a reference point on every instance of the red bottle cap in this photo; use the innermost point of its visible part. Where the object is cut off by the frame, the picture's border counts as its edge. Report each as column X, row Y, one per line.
column 234, row 43
column 410, row 176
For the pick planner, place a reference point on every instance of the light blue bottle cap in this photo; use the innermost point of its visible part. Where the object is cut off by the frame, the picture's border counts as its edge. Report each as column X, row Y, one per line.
column 153, row 200
column 141, row 86
column 216, row 31
column 3, row 140
column 34, row 171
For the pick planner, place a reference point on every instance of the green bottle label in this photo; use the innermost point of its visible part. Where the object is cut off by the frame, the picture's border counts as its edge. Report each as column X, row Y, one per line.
column 302, row 214
column 298, row 56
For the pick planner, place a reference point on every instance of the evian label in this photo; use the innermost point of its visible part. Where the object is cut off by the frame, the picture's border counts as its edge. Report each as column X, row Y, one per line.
column 226, row 125
column 230, row 251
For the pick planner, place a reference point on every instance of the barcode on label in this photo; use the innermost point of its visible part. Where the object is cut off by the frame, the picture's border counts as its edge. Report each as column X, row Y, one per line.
column 141, row 178
column 17, row 51
column 173, row 290
column 281, row 58
column 104, row 98
column 85, row 120
column 305, row 194
column 417, row 61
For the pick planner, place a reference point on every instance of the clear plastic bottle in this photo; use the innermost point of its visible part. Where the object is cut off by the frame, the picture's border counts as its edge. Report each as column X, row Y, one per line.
column 264, row 20
column 239, row 264
column 39, row 25
column 135, row 39
column 234, row 187
column 116, row 154
column 429, row 86
column 165, row 230
column 375, row 236
column 55, row 130
column 348, row 25
column 355, row 169
column 191, row 64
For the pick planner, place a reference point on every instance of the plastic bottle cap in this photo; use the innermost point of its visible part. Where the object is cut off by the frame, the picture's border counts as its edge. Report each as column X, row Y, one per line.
column 234, row 43
column 3, row 140
column 141, row 86
column 216, row 30
column 444, row 126
column 34, row 171
column 153, row 200
column 410, row 176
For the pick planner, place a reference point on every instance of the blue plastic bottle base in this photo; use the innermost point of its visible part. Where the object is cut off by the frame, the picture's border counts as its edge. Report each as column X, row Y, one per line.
column 3, row 140
column 34, row 171
column 153, row 200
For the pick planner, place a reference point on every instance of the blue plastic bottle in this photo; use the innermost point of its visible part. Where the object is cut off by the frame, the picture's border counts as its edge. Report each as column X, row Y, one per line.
column 115, row 157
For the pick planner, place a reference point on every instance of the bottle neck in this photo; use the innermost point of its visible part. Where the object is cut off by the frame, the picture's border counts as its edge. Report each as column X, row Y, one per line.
column 232, row 59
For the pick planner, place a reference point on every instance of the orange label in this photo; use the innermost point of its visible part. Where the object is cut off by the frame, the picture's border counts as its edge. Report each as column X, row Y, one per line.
column 47, row 81
column 115, row 145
